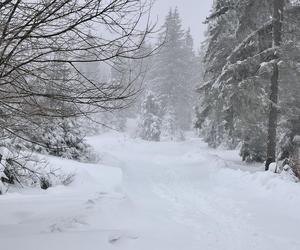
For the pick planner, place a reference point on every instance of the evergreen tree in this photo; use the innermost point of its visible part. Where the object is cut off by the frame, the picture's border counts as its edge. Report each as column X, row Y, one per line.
column 212, row 121
column 150, row 121
column 173, row 73
column 248, row 47
column 169, row 124
column 54, row 132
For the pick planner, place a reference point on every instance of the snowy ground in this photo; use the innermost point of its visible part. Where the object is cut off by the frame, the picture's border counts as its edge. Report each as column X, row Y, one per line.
column 155, row 196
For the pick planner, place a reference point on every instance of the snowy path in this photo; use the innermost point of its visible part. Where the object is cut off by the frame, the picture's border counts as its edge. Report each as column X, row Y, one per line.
column 156, row 196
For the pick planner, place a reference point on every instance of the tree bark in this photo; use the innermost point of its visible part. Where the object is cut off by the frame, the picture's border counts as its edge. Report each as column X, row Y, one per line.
column 278, row 6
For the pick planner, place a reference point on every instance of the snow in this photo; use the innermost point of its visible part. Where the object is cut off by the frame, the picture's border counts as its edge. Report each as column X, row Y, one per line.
column 297, row 139
column 273, row 167
column 155, row 196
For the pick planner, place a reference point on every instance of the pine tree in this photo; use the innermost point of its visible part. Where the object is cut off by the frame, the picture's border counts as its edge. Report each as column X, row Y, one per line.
column 244, row 54
column 150, row 121
column 173, row 73
column 169, row 124
column 212, row 119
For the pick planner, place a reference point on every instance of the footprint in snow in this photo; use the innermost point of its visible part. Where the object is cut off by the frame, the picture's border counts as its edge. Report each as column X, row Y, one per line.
column 66, row 224
column 113, row 196
column 119, row 237
column 90, row 204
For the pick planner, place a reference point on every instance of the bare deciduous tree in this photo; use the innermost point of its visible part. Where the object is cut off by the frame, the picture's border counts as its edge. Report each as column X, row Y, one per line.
column 36, row 34
column 43, row 45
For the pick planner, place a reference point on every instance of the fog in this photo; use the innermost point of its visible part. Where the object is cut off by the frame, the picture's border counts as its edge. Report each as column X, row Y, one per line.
column 116, row 133
column 193, row 13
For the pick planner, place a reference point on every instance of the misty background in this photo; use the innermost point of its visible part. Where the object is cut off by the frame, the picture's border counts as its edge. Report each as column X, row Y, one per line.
column 192, row 12
column 119, row 134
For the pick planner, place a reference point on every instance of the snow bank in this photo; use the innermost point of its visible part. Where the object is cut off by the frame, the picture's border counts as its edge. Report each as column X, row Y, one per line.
column 147, row 195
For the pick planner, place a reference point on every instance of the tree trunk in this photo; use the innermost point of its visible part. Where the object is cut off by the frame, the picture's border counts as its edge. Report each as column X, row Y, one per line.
column 273, row 113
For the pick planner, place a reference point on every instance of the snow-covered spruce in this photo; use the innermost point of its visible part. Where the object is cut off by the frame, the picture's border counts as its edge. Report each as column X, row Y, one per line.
column 174, row 74
column 58, row 137
column 21, row 160
column 235, row 98
column 149, row 127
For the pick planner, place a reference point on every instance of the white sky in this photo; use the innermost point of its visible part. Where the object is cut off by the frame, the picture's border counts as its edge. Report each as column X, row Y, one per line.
column 192, row 12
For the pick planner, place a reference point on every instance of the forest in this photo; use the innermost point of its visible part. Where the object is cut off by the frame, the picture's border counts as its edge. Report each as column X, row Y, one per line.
column 120, row 129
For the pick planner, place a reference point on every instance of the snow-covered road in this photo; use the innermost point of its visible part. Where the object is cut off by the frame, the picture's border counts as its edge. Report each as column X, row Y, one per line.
column 156, row 196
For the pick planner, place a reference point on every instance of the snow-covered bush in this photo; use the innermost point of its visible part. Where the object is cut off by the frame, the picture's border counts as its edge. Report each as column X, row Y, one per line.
column 59, row 137
column 24, row 169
